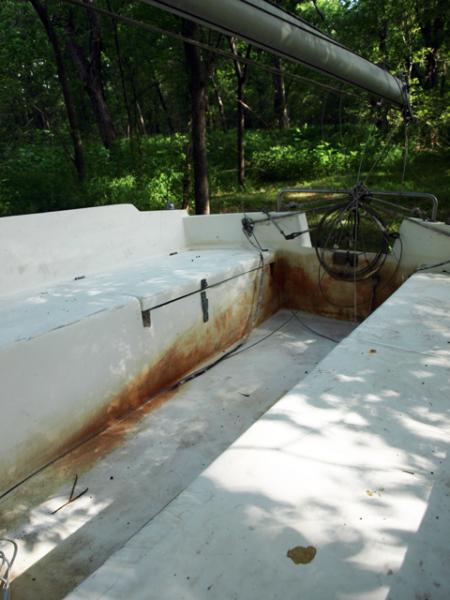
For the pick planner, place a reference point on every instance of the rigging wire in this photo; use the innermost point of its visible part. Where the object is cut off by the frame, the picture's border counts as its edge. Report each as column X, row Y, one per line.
column 317, row 32
column 207, row 47
column 384, row 151
column 293, row 313
column 230, row 55
column 405, row 155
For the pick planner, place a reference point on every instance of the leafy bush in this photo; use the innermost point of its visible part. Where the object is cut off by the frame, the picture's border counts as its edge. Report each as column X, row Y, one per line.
column 283, row 163
column 39, row 176
column 303, row 161
column 36, row 179
column 163, row 189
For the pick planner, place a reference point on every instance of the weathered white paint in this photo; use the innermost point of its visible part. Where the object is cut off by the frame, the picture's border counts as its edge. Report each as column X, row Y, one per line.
column 353, row 461
column 73, row 341
column 227, row 230
column 424, row 243
column 43, row 249
column 82, row 348
column 153, row 281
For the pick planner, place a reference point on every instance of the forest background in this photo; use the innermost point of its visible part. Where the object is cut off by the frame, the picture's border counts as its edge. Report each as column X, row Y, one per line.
column 95, row 110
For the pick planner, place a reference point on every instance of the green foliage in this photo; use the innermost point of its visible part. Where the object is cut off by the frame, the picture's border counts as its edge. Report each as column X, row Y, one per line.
column 38, row 176
column 328, row 134
column 283, row 162
column 427, row 171
column 303, row 160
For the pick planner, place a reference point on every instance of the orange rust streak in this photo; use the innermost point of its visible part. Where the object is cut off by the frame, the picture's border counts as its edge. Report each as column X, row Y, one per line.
column 291, row 282
column 297, row 276
column 151, row 389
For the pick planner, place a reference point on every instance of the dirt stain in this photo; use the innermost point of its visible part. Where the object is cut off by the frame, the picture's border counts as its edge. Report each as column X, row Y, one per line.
column 301, row 555
column 305, row 286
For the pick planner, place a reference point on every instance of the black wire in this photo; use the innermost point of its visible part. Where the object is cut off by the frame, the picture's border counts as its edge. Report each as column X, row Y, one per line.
column 204, row 369
column 234, row 352
column 293, row 315
column 383, row 152
column 323, row 35
column 426, row 267
column 314, row 331
column 240, row 348
column 397, row 266
column 265, row 337
column 260, row 248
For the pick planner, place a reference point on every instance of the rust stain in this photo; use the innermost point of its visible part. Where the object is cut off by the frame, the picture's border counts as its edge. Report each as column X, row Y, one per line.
column 270, row 295
column 291, row 282
column 304, row 286
column 301, row 555
column 151, row 389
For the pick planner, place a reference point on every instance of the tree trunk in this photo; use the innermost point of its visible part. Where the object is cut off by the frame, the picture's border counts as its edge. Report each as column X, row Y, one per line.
column 241, row 71
column 121, row 73
column 240, row 133
column 187, row 176
column 139, row 116
column 432, row 26
column 89, row 70
column 221, row 105
column 280, row 96
column 162, row 101
column 78, row 158
column 198, row 91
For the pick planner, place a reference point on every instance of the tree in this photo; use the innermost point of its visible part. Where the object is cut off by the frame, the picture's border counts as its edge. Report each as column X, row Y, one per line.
column 78, row 158
column 198, row 94
column 121, row 65
column 89, row 66
column 280, row 99
column 241, row 71
column 432, row 20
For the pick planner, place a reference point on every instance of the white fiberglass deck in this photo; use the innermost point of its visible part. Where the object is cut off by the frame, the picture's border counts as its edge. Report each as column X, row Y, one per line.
column 153, row 281
column 136, row 467
column 353, row 461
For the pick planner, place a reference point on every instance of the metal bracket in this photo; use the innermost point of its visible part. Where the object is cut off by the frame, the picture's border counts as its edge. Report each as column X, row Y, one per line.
column 204, row 300
column 248, row 226
column 146, row 318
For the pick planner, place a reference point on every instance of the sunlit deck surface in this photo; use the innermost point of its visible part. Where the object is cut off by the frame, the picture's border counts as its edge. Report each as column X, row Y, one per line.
column 347, row 475
column 137, row 467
